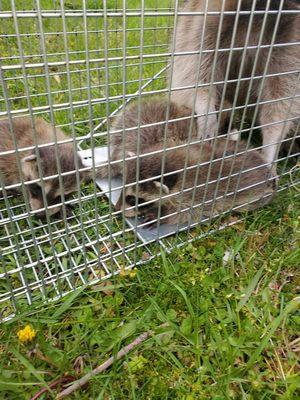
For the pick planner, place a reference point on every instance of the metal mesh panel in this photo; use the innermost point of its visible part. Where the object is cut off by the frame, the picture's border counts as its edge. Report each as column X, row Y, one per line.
column 76, row 65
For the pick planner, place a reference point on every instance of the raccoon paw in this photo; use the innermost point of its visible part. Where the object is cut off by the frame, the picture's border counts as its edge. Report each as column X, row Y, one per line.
column 69, row 211
column 206, row 126
column 150, row 218
column 273, row 178
column 235, row 135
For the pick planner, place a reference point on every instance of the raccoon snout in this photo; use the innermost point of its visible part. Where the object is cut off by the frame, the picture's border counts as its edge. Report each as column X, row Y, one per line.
column 51, row 212
column 40, row 215
column 130, row 213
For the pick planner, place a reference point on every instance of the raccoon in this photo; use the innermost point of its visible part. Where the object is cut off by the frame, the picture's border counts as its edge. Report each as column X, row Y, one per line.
column 242, row 183
column 24, row 137
column 278, row 91
column 142, row 199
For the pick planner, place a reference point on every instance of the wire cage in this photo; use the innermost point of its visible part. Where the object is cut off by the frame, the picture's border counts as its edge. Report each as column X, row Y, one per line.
column 76, row 64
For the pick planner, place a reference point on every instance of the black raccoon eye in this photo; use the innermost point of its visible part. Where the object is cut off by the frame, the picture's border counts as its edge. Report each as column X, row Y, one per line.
column 35, row 190
column 131, row 200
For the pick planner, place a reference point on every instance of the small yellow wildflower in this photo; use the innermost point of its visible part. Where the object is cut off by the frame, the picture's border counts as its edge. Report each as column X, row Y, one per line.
column 26, row 334
column 193, row 280
column 202, row 275
column 122, row 271
column 133, row 272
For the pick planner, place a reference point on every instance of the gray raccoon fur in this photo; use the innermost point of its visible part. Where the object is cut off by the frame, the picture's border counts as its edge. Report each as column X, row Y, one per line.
column 24, row 137
column 242, row 182
column 151, row 112
column 284, row 60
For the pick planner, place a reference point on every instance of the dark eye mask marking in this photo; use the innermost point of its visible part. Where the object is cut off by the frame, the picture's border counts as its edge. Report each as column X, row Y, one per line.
column 131, row 200
column 35, row 190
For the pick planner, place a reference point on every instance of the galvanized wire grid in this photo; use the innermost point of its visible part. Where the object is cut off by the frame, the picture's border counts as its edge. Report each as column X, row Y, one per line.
column 76, row 65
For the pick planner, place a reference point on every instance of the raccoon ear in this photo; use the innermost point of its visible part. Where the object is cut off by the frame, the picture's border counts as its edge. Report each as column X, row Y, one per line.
column 30, row 158
column 85, row 176
column 164, row 187
column 29, row 166
column 131, row 154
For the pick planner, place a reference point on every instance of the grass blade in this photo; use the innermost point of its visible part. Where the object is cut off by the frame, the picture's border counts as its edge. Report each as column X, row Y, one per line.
column 67, row 303
column 292, row 305
column 30, row 367
column 187, row 301
column 250, row 289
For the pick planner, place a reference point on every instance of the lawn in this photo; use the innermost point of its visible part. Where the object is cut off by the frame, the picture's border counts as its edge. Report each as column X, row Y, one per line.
column 223, row 308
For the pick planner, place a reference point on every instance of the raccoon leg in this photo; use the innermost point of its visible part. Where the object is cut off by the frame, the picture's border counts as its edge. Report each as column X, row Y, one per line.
column 101, row 171
column 204, row 106
column 270, row 113
column 151, row 215
column 273, row 134
column 206, row 122
column 190, row 217
column 174, row 219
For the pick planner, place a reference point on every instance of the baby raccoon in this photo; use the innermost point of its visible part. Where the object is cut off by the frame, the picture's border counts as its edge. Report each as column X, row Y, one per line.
column 253, row 185
column 242, row 183
column 24, row 136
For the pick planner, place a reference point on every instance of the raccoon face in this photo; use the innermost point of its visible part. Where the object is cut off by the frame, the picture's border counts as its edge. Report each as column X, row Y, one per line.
column 53, row 197
column 143, row 199
column 140, row 198
column 51, row 186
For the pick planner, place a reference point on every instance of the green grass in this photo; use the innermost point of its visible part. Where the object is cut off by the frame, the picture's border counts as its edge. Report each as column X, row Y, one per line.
column 233, row 327
column 232, row 331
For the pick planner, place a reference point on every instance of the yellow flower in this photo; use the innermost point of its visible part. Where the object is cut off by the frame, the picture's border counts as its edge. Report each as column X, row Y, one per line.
column 193, row 280
column 133, row 272
column 122, row 271
column 26, row 334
